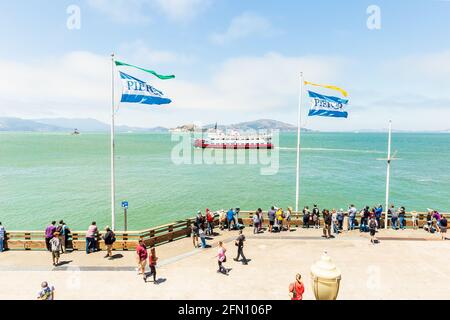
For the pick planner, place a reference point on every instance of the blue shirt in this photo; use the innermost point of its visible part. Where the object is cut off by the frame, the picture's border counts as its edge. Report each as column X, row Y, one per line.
column 230, row 214
column 378, row 212
column 2, row 232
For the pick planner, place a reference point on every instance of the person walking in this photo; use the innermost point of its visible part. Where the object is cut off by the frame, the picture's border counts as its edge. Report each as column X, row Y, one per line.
column 221, row 258
column 109, row 237
column 49, row 231
column 373, row 225
column 142, row 255
column 297, row 288
column 256, row 222
column 55, row 247
column 240, row 244
column 443, row 227
column 152, row 260
column 91, row 236
column 2, row 237
column 46, row 292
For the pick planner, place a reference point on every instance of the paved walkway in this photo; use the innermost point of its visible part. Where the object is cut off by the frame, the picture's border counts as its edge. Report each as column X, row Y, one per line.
column 408, row 264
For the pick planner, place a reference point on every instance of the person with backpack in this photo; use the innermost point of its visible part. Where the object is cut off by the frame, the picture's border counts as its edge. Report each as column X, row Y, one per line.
column 240, row 244
column 373, row 225
column 152, row 260
column 327, row 221
column 47, row 292
column 65, row 233
column 306, row 217
column 256, row 221
column 109, row 237
column 297, row 288
column 316, row 216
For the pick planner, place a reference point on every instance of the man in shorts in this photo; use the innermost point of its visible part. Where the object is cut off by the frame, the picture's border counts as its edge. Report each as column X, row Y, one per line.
column 271, row 214
column 55, row 248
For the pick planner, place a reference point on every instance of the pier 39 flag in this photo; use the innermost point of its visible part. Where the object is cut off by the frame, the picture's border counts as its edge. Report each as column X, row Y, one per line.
column 327, row 106
column 135, row 90
column 138, row 91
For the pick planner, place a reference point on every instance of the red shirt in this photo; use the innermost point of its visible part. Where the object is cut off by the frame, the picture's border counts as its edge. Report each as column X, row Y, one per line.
column 298, row 289
column 209, row 217
column 142, row 252
column 152, row 260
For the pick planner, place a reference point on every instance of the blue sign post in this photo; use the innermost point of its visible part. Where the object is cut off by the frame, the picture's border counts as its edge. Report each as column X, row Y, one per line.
column 125, row 207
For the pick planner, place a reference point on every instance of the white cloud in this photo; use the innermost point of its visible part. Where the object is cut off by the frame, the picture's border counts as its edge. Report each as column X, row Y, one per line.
column 245, row 25
column 141, row 11
column 238, row 89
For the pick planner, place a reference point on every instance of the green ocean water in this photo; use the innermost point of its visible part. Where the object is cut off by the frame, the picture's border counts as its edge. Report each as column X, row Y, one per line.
column 58, row 176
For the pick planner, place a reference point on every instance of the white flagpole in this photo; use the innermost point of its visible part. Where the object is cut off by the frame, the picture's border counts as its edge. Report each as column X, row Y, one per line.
column 113, row 192
column 388, row 173
column 299, row 118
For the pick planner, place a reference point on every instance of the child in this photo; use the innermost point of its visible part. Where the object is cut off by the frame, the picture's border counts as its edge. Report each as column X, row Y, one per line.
column 152, row 263
column 55, row 247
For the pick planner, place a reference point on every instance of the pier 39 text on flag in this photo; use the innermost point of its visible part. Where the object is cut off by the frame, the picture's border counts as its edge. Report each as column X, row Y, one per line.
column 138, row 91
column 327, row 106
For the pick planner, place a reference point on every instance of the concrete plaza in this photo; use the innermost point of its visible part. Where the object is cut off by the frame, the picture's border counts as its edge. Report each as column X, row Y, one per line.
column 406, row 264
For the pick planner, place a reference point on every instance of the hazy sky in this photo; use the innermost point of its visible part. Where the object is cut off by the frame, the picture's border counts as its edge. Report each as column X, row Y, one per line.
column 234, row 60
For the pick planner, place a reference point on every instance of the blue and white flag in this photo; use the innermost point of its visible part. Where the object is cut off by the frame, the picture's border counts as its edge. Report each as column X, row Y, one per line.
column 327, row 106
column 138, row 91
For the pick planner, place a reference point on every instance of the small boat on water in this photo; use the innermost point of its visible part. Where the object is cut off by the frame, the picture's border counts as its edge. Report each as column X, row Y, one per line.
column 234, row 140
column 75, row 132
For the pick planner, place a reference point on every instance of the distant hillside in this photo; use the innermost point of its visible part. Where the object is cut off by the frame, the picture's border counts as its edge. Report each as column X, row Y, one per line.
column 66, row 125
column 262, row 124
column 15, row 124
